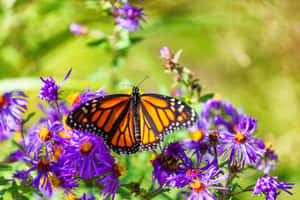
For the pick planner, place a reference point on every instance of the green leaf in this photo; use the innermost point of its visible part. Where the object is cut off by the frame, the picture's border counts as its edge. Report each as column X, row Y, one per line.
column 250, row 186
column 28, row 117
column 166, row 196
column 96, row 42
column 124, row 193
column 5, row 167
column 2, row 192
column 18, row 145
column 205, row 97
column 3, row 181
column 134, row 40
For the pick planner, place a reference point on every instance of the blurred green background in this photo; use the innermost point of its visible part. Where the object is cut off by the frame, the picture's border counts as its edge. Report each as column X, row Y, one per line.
column 247, row 52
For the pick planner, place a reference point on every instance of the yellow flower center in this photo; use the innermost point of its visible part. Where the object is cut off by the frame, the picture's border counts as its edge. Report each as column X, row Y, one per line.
column 73, row 98
column 43, row 165
column 197, row 135
column 167, row 162
column 268, row 146
column 57, row 153
column 3, row 101
column 55, row 181
column 118, row 170
column 198, row 186
column 71, row 197
column 45, row 134
column 86, row 148
column 240, row 138
column 191, row 172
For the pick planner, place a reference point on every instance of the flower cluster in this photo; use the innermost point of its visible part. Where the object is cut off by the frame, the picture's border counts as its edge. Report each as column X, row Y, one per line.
column 59, row 157
column 270, row 187
column 128, row 16
column 174, row 168
column 222, row 133
column 49, row 91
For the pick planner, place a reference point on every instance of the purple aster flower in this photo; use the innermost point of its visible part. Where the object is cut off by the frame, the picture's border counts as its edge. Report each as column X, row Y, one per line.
column 270, row 187
column 128, row 17
column 202, row 142
column 171, row 159
column 44, row 169
column 78, row 29
column 176, row 150
column 86, row 95
column 200, row 186
column 46, row 136
column 163, row 167
column 239, row 146
column 49, row 91
column 186, row 174
column 268, row 160
column 12, row 104
column 110, row 172
column 8, row 127
column 220, row 114
column 63, row 177
column 20, row 174
column 81, row 153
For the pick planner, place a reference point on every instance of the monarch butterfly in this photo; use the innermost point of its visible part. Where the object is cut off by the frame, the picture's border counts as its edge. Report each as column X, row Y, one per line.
column 128, row 123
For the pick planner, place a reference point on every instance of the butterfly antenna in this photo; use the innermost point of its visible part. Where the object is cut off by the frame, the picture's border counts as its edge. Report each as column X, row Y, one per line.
column 146, row 77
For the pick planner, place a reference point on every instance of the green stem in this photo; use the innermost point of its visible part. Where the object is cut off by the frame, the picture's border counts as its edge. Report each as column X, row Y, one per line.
column 225, row 193
column 216, row 155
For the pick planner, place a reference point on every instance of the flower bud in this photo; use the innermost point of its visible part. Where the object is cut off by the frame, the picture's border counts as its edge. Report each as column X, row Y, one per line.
column 165, row 53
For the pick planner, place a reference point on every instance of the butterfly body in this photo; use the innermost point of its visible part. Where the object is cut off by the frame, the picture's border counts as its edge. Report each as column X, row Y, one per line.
column 128, row 123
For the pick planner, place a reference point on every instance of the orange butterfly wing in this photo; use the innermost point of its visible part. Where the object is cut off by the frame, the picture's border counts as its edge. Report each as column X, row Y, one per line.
column 109, row 117
column 161, row 115
column 128, row 125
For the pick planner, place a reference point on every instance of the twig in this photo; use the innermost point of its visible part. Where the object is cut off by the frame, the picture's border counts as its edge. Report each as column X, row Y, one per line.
column 151, row 193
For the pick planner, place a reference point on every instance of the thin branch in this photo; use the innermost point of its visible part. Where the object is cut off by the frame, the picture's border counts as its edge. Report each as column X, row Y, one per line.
column 146, row 196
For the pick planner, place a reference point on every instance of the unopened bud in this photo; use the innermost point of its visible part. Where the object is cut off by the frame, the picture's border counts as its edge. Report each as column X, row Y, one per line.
column 165, row 53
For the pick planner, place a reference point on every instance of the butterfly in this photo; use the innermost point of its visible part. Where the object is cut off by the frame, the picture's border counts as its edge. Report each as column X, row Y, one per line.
column 129, row 123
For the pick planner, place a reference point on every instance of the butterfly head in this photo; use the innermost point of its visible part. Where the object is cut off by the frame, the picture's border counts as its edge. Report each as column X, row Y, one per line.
column 135, row 90
column 135, row 94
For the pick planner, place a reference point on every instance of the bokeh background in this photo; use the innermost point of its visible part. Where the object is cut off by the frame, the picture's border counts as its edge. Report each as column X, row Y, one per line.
column 247, row 52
